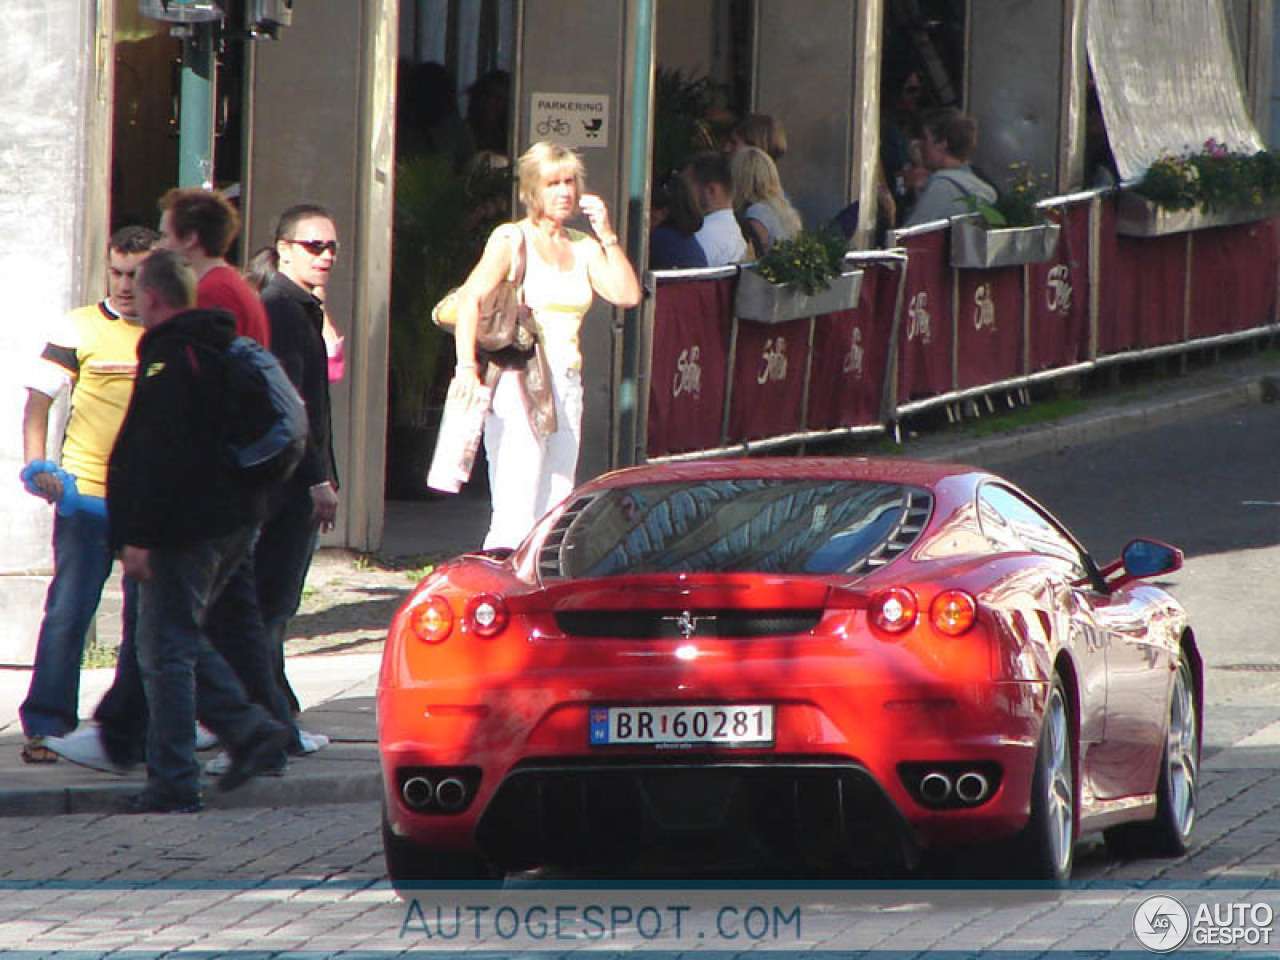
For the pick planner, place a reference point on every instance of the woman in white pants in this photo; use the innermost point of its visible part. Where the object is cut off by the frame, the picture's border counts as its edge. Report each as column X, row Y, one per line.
column 564, row 269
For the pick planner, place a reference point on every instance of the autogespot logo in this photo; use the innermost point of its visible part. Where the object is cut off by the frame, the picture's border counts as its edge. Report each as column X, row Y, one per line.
column 1161, row 924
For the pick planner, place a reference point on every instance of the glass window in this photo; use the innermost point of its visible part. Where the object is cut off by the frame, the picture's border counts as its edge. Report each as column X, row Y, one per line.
column 734, row 525
column 1013, row 524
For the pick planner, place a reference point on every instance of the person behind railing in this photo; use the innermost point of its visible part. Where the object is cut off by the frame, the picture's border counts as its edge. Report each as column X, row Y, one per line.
column 949, row 138
column 720, row 235
column 758, row 130
column 675, row 219
column 762, row 207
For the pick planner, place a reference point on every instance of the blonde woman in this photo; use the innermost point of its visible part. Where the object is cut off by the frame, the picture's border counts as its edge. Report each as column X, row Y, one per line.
column 759, row 200
column 564, row 270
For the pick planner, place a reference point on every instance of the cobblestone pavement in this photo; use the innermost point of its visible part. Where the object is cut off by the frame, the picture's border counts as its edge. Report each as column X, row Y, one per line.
column 279, row 881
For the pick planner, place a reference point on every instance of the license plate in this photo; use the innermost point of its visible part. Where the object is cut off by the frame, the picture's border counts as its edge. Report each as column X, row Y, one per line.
column 728, row 725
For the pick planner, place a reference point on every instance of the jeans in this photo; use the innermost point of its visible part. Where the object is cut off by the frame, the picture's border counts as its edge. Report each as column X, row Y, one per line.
column 172, row 648
column 281, row 561
column 81, row 565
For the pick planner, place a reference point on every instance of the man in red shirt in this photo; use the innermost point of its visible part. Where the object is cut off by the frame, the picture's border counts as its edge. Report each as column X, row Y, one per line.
column 200, row 225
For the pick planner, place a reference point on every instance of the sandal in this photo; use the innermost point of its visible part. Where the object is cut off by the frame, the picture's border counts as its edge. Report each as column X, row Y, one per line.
column 34, row 751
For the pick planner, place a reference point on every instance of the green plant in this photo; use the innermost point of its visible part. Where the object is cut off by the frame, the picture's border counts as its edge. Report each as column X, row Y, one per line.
column 1212, row 179
column 805, row 262
column 684, row 110
column 441, row 220
column 1018, row 204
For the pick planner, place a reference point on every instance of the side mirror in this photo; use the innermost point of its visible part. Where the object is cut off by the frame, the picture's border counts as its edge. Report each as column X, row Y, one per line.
column 1147, row 558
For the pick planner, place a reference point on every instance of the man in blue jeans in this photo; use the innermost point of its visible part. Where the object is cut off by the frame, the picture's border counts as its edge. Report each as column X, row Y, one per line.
column 184, row 519
column 93, row 353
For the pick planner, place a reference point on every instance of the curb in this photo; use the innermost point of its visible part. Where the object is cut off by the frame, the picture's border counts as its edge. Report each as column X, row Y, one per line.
column 1090, row 427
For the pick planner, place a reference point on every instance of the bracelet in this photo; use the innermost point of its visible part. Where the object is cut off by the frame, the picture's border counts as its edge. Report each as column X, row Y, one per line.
column 611, row 241
column 464, row 366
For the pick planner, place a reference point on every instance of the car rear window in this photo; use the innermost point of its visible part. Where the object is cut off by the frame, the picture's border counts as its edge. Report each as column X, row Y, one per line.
column 743, row 525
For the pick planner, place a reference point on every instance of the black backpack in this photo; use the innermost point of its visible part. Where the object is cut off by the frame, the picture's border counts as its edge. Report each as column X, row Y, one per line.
column 262, row 417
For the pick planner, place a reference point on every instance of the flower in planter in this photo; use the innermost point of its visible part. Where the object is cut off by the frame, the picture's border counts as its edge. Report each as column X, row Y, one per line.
column 805, row 262
column 1017, row 204
column 1212, row 179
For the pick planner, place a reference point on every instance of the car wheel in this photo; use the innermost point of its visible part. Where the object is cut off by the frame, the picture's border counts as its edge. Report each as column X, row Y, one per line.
column 1169, row 834
column 1044, row 849
column 409, row 863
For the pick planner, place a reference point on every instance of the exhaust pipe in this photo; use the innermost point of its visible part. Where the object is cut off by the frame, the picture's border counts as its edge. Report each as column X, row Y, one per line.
column 417, row 792
column 972, row 787
column 451, row 794
column 935, row 787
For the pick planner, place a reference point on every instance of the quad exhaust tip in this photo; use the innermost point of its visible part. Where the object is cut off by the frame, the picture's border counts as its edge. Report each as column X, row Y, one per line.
column 418, row 793
column 972, row 787
column 451, row 794
column 935, row 787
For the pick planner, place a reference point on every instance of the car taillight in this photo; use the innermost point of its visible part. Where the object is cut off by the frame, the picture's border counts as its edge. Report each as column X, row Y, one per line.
column 487, row 614
column 432, row 620
column 894, row 610
column 953, row 612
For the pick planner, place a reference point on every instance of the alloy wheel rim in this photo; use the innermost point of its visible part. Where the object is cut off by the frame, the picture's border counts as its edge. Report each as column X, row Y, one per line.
column 1182, row 754
column 1060, row 802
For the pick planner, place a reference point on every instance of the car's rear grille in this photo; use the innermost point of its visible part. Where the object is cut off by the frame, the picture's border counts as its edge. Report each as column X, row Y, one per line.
column 915, row 514
column 660, row 624
column 779, row 811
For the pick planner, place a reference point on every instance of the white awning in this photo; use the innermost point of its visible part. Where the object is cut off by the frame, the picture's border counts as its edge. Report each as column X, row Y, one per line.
column 1167, row 80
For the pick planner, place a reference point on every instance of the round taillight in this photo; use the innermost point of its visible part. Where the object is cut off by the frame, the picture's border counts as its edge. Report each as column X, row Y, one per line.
column 432, row 620
column 953, row 612
column 894, row 610
column 487, row 614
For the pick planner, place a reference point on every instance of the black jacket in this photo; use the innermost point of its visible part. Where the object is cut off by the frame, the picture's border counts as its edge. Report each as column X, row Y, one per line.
column 297, row 340
column 170, row 480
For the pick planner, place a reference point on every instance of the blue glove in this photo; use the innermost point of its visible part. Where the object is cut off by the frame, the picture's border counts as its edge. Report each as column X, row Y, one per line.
column 72, row 499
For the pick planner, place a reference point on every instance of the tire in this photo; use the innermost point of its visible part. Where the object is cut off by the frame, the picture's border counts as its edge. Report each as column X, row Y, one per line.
column 1168, row 834
column 1045, row 847
column 409, row 864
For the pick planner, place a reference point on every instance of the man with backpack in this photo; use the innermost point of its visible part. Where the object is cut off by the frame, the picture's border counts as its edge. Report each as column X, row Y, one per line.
column 184, row 517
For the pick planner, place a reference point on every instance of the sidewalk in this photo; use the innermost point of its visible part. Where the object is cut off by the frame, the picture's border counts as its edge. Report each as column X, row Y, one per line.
column 336, row 640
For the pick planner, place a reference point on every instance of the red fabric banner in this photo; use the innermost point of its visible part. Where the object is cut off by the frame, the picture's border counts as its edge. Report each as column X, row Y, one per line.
column 690, row 365
column 924, row 332
column 768, row 379
column 1059, row 334
column 1141, row 288
column 1233, row 278
column 850, row 352
column 989, row 326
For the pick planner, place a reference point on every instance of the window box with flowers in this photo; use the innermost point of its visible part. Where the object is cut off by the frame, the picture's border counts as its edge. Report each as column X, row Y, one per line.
column 802, row 276
column 1215, row 187
column 1009, row 232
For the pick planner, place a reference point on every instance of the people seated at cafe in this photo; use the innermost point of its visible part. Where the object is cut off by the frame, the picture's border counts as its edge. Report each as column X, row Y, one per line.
column 766, row 214
column 720, row 236
column 675, row 219
column 953, row 189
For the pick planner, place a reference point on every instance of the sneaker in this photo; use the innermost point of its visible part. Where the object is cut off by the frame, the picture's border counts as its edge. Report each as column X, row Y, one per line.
column 310, row 742
column 149, row 803
column 221, row 763
column 206, row 739
column 262, row 755
column 85, row 747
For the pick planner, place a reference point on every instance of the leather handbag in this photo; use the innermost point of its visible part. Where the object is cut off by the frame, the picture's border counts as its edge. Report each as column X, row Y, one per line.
column 504, row 321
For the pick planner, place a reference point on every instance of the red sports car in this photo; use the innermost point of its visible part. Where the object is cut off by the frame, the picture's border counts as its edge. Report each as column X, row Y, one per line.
column 811, row 663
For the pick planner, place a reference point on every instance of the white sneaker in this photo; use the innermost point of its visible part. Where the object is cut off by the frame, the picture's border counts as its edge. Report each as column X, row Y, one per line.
column 84, row 746
column 206, row 739
column 221, row 763
column 311, row 742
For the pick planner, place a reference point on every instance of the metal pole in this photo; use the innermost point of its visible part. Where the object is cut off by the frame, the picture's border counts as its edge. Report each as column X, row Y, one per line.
column 198, row 97
column 628, row 449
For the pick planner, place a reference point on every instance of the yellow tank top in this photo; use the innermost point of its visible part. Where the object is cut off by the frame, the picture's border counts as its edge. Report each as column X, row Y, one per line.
column 559, row 299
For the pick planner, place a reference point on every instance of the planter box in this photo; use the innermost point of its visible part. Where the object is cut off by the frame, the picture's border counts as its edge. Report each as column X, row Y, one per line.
column 1136, row 216
column 764, row 302
column 976, row 246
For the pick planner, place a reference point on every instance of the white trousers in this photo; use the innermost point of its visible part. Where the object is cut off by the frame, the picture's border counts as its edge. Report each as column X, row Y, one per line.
column 528, row 474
